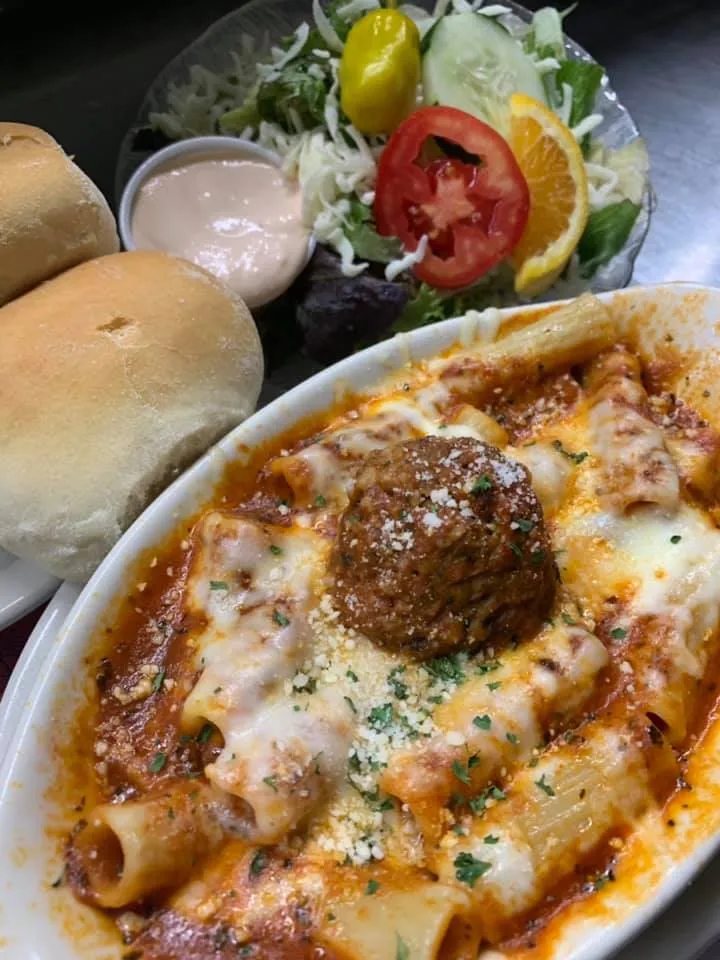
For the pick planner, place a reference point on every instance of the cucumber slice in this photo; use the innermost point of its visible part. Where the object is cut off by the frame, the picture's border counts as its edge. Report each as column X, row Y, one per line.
column 474, row 64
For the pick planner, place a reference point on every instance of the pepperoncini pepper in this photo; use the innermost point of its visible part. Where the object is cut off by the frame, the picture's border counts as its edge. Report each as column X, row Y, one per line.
column 379, row 71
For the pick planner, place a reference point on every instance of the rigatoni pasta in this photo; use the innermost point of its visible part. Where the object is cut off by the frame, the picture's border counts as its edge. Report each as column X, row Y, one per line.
column 410, row 683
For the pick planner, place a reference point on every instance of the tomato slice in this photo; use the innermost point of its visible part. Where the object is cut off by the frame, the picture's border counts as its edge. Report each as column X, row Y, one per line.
column 473, row 214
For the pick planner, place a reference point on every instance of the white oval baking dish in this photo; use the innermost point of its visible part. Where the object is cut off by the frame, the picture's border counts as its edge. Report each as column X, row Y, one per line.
column 38, row 922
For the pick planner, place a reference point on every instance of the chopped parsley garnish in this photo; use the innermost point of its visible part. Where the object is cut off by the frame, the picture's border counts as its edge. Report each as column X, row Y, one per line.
column 258, row 863
column 617, row 633
column 275, row 550
column 537, row 557
column 381, row 717
column 516, row 549
column 158, row 681
column 271, row 782
column 512, row 738
column 280, row 618
column 577, row 458
column 468, row 869
column 488, row 667
column 351, row 675
column 349, row 702
column 461, row 772
column 568, row 619
column 445, row 668
column 217, row 690
column 372, row 887
column 490, row 838
column 676, row 538
column 401, row 948
column 482, row 485
column 478, row 804
column 545, row 786
column 205, row 733
column 157, row 762
column 399, row 689
column 525, row 525
column 320, row 501
column 483, row 723
column 494, row 685
column 218, row 585
column 458, row 829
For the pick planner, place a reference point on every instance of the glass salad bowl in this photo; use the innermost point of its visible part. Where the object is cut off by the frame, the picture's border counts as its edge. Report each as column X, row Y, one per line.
column 222, row 63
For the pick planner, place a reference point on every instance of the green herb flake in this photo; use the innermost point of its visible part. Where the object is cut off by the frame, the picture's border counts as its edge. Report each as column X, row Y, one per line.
column 488, row 666
column 545, row 786
column 483, row 722
column 494, row 685
column 576, row 458
column 158, row 681
column 512, row 738
column 271, row 782
column 482, row 485
column 525, row 525
column 676, row 538
column 258, row 863
column 280, row 618
column 205, row 733
column 461, row 772
column 468, row 869
column 218, row 585
column 372, row 887
column 320, row 501
column 275, row 550
column 351, row 675
column 401, row 948
column 617, row 633
column 399, row 689
column 381, row 717
column 516, row 549
column 349, row 702
column 157, row 763
column 490, row 839
column 447, row 669
column 566, row 618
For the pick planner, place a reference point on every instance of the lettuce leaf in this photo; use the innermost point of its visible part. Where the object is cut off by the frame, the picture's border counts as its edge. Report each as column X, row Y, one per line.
column 366, row 241
column 605, row 235
column 584, row 79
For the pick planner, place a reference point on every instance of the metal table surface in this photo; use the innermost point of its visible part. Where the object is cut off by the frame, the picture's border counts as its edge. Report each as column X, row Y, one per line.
column 81, row 74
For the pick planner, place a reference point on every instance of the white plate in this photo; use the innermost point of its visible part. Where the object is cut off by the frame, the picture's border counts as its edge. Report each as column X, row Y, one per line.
column 33, row 916
column 23, row 588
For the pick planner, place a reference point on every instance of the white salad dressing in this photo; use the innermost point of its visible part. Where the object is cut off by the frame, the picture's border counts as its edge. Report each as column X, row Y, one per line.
column 239, row 218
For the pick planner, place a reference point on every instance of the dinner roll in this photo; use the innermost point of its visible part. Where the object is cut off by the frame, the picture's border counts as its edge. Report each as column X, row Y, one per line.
column 52, row 215
column 114, row 376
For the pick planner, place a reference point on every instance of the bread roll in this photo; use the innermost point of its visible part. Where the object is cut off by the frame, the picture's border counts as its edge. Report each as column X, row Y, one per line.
column 51, row 215
column 113, row 377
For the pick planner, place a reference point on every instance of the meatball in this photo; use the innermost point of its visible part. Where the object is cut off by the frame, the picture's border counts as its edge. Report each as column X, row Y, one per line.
column 442, row 548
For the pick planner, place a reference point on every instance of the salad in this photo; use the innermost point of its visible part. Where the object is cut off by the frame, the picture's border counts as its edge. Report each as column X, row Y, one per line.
column 447, row 160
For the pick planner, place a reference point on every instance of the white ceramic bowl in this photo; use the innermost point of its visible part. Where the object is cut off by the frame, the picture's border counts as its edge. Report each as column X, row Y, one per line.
column 38, row 922
column 185, row 150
